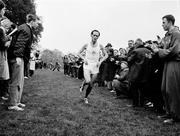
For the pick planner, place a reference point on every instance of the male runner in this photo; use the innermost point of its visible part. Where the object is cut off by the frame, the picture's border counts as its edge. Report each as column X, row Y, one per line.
column 92, row 60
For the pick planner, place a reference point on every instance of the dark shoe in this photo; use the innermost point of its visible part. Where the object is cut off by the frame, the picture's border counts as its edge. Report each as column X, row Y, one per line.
column 21, row 105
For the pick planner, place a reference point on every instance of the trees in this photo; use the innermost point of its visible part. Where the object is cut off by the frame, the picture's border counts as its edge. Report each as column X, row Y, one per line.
column 37, row 33
column 48, row 56
column 16, row 11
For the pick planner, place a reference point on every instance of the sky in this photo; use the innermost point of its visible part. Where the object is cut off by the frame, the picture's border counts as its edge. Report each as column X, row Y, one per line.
column 68, row 23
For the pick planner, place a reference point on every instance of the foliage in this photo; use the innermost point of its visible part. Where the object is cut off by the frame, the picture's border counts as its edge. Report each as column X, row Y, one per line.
column 37, row 33
column 17, row 11
column 48, row 56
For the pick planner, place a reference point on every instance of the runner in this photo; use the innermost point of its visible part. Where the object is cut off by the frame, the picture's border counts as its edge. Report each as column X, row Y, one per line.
column 92, row 60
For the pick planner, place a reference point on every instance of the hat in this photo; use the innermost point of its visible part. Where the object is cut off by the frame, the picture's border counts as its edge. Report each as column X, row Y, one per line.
column 108, row 45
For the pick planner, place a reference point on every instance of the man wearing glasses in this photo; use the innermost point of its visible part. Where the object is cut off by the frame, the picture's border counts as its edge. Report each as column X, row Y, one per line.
column 92, row 60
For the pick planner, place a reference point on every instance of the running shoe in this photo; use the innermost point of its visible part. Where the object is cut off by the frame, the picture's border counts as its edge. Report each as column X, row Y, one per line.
column 86, row 100
column 81, row 89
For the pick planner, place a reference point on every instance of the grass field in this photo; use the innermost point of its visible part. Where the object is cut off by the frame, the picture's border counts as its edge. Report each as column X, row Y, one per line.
column 54, row 107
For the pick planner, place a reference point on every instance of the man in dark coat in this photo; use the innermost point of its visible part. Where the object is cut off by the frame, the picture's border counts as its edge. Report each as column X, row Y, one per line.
column 139, row 69
column 18, row 53
column 171, row 73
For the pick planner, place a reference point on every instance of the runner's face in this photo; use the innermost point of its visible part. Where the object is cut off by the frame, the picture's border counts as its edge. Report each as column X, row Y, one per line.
column 95, row 36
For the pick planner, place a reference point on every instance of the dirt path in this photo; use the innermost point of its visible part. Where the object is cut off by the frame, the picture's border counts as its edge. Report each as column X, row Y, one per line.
column 55, row 108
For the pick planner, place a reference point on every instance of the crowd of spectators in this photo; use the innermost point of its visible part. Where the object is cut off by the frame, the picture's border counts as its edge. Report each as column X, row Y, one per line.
column 133, row 72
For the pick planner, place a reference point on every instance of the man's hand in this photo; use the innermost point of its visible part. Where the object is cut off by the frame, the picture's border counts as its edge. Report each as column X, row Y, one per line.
column 18, row 61
column 8, row 43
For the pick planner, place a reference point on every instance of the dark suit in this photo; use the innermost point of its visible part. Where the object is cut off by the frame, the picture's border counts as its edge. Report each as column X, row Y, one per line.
column 139, row 70
column 21, row 43
column 20, row 48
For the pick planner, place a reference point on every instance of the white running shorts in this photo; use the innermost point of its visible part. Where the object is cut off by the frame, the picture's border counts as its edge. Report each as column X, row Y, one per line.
column 91, row 68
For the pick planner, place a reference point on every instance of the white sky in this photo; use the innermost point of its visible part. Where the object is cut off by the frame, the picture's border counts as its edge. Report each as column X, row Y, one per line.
column 68, row 23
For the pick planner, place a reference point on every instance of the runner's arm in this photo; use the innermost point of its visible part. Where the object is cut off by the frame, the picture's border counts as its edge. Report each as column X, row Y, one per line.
column 81, row 51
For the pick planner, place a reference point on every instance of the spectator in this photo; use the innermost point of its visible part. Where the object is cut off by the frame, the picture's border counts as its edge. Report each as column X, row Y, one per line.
column 120, row 83
column 139, row 70
column 171, row 72
column 65, row 62
column 130, row 46
column 109, row 69
column 19, row 52
column 4, row 44
column 57, row 66
column 32, row 64
column 108, row 47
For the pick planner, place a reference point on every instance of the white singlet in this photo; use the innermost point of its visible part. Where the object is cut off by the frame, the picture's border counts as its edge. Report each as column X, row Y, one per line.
column 92, row 57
